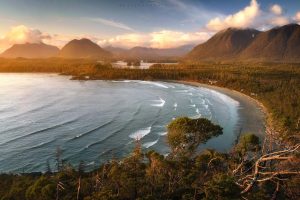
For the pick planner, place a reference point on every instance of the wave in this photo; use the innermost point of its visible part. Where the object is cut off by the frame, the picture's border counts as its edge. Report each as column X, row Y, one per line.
column 181, row 91
column 104, row 139
column 161, row 104
column 40, row 131
column 153, row 83
column 34, row 110
column 162, row 133
column 196, row 116
column 40, row 145
column 140, row 133
column 143, row 82
column 224, row 97
column 150, row 144
column 193, row 105
column 90, row 163
column 91, row 131
column 197, row 111
column 123, row 81
column 208, row 101
column 137, row 111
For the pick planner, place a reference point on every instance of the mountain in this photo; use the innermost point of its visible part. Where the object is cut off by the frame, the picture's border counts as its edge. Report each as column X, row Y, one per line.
column 224, row 45
column 83, row 48
column 145, row 53
column 277, row 44
column 31, row 50
column 280, row 44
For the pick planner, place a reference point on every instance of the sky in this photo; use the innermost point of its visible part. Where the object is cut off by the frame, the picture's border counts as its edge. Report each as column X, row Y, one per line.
column 150, row 23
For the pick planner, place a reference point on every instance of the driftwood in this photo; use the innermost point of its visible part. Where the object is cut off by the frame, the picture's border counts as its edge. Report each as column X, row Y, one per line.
column 266, row 166
column 263, row 173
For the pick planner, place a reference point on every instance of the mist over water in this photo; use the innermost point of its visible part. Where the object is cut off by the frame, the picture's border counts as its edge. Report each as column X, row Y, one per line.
column 96, row 121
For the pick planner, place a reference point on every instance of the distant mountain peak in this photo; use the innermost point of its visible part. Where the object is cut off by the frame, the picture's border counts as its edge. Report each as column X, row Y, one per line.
column 83, row 48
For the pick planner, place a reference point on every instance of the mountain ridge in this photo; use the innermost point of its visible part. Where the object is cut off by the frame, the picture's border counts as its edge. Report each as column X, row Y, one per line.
column 31, row 50
column 279, row 44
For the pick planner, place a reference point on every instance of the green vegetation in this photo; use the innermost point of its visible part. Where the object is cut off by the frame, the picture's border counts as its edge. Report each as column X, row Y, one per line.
column 149, row 175
column 185, row 134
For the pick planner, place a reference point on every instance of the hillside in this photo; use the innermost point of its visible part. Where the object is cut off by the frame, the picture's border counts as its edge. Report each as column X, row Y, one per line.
column 83, row 48
column 30, row 50
column 224, row 45
column 280, row 44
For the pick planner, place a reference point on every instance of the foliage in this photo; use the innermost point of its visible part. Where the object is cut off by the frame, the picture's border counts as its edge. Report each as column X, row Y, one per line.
column 248, row 142
column 185, row 134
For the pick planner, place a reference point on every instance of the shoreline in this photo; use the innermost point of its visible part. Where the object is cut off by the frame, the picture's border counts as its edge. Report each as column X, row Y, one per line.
column 250, row 108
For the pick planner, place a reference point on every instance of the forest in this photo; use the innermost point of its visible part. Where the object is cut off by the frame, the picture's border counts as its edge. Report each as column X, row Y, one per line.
column 253, row 169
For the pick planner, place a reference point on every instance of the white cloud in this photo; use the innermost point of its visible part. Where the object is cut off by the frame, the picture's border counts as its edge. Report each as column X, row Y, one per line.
column 158, row 39
column 242, row 19
column 276, row 9
column 110, row 23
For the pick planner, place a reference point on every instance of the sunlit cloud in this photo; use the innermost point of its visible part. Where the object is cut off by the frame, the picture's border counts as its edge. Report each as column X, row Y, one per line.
column 126, row 40
column 171, row 39
column 110, row 23
column 242, row 19
column 276, row 9
column 297, row 17
column 22, row 34
column 158, row 39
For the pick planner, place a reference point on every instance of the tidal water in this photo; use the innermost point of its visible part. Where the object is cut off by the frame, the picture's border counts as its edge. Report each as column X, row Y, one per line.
column 95, row 121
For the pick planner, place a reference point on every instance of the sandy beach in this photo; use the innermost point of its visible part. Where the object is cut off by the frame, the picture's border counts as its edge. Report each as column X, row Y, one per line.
column 252, row 113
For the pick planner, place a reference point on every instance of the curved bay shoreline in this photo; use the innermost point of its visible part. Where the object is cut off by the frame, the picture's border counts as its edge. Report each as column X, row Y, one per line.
column 253, row 114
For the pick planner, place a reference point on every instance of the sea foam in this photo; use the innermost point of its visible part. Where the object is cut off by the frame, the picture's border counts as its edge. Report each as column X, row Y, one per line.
column 161, row 104
column 150, row 144
column 140, row 133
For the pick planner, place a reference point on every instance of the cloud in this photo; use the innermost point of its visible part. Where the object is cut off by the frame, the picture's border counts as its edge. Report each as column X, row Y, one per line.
column 22, row 34
column 158, row 39
column 276, row 9
column 110, row 23
column 194, row 13
column 126, row 40
column 170, row 39
column 242, row 19
column 279, row 21
column 297, row 17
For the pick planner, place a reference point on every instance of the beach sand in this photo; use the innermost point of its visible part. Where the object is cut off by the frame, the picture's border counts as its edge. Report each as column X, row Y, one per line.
column 252, row 113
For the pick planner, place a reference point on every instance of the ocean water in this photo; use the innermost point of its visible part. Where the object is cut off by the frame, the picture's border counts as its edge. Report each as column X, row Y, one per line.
column 95, row 121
